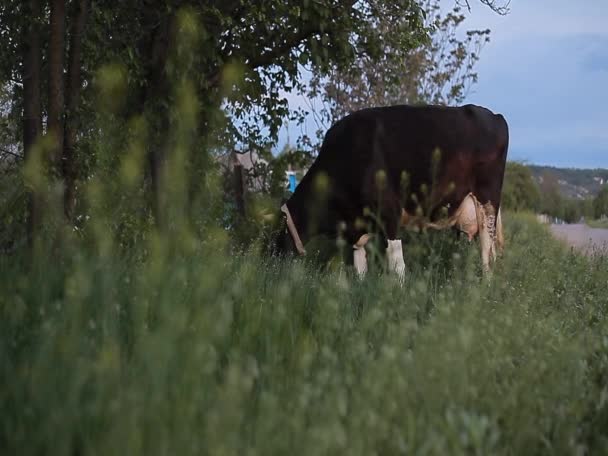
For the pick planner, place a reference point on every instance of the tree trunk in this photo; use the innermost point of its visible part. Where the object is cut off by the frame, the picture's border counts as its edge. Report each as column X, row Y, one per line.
column 153, row 95
column 31, row 106
column 239, row 186
column 55, row 95
column 68, row 168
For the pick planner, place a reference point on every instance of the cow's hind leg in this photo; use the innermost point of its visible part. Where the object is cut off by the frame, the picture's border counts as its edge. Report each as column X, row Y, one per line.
column 500, row 236
column 360, row 255
column 486, row 221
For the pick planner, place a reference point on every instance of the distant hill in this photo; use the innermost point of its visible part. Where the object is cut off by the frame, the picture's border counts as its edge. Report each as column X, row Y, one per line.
column 573, row 182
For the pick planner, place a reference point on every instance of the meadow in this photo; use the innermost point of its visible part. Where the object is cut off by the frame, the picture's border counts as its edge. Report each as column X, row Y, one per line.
column 195, row 348
column 137, row 315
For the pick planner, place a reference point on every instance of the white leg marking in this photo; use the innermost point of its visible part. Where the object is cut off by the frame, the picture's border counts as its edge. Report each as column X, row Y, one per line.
column 394, row 253
column 360, row 255
column 360, row 260
column 500, row 236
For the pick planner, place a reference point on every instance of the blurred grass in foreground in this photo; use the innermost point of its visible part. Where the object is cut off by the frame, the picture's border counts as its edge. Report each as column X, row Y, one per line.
column 193, row 351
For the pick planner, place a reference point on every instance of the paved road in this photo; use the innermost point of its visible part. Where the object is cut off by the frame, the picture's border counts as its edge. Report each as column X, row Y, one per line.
column 582, row 236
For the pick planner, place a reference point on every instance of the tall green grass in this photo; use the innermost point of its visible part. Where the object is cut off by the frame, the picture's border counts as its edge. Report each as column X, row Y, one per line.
column 197, row 350
column 120, row 338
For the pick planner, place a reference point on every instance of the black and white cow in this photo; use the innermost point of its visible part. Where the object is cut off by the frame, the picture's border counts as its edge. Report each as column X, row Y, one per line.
column 381, row 168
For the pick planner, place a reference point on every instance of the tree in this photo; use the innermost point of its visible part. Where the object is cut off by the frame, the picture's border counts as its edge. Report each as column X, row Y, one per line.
column 10, row 151
column 69, row 169
column 240, row 57
column 600, row 203
column 32, row 115
column 23, row 33
column 55, row 105
column 438, row 70
column 252, row 56
column 587, row 208
column 551, row 201
column 520, row 192
column 572, row 210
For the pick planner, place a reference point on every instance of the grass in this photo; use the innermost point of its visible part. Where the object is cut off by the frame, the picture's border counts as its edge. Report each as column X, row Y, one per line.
column 603, row 223
column 194, row 351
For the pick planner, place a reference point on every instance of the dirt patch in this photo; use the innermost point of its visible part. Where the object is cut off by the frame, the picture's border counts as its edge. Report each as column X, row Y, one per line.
column 582, row 237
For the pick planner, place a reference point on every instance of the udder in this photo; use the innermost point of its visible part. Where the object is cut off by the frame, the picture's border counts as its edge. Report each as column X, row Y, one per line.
column 466, row 217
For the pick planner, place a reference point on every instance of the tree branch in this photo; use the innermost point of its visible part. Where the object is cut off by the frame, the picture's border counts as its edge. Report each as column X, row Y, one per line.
column 496, row 6
column 269, row 57
column 5, row 151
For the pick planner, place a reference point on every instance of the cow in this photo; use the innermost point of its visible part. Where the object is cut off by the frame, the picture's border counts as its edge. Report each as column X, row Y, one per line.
column 383, row 168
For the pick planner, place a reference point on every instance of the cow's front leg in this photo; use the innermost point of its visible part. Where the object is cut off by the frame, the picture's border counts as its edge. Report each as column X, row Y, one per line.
column 360, row 260
column 394, row 253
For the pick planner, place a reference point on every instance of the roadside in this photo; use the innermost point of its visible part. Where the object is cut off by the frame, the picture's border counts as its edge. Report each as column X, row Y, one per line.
column 603, row 223
column 582, row 237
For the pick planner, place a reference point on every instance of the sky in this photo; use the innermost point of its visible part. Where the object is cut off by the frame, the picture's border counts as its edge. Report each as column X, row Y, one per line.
column 546, row 70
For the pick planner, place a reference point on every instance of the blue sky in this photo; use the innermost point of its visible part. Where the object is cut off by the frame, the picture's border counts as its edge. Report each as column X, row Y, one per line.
column 546, row 71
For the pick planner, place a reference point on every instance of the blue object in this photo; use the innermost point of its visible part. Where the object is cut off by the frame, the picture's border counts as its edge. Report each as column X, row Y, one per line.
column 292, row 182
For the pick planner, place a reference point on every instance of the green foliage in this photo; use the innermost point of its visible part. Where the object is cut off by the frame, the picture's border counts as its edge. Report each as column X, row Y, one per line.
column 191, row 352
column 602, row 223
column 239, row 60
column 13, row 207
column 299, row 160
column 555, row 204
column 520, row 192
column 248, row 55
column 10, row 154
column 436, row 70
column 600, row 203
